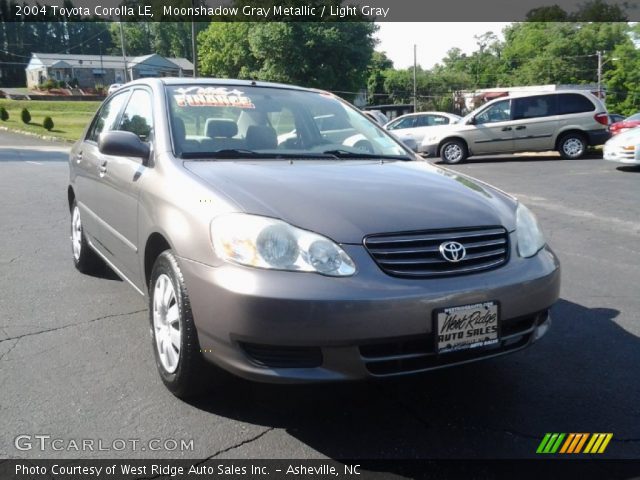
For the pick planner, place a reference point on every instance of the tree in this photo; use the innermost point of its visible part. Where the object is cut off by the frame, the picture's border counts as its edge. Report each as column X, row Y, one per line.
column 378, row 65
column 224, row 51
column 329, row 55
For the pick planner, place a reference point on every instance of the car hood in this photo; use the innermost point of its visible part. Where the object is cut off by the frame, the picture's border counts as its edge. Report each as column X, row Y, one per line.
column 348, row 200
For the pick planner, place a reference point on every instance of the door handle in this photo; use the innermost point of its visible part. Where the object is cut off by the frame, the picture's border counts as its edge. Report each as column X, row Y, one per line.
column 506, row 129
column 102, row 169
column 521, row 127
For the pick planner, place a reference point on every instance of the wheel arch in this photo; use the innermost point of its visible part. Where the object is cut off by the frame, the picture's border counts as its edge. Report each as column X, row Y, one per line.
column 156, row 244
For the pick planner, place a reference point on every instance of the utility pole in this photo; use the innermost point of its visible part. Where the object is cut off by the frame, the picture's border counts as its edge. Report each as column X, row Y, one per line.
column 193, row 43
column 599, row 54
column 415, row 89
column 101, row 65
column 124, row 54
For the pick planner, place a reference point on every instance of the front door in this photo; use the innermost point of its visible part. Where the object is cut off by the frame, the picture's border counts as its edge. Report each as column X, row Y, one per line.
column 86, row 159
column 119, row 190
column 492, row 131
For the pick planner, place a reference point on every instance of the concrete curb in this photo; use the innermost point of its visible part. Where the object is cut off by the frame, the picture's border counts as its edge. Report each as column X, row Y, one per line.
column 31, row 134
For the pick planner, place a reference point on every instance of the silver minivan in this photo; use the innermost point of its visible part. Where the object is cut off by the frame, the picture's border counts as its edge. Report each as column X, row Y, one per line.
column 568, row 121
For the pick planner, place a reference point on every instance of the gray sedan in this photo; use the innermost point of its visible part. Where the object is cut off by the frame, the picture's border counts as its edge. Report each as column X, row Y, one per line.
column 270, row 246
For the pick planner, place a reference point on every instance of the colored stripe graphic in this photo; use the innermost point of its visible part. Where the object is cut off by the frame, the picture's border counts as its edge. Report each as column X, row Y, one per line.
column 573, row 443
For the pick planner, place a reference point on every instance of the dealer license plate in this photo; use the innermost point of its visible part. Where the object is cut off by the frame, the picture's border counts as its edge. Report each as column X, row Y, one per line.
column 467, row 326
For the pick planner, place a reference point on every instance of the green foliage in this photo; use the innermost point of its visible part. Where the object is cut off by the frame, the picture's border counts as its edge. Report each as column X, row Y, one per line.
column 4, row 115
column 47, row 123
column 333, row 56
column 623, row 80
column 25, row 116
column 48, row 84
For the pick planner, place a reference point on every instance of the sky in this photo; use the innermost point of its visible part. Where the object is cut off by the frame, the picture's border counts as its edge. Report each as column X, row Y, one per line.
column 433, row 40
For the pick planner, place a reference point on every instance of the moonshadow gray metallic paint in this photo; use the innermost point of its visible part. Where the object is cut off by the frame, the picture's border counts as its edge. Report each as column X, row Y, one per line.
column 343, row 200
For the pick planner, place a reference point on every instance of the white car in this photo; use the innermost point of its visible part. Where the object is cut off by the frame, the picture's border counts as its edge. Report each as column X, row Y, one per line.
column 624, row 148
column 418, row 125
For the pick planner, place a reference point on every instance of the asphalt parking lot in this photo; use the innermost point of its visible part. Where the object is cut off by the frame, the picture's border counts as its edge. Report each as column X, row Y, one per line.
column 76, row 360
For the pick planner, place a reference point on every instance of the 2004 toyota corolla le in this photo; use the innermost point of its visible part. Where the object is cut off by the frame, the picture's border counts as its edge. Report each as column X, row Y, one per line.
column 281, row 235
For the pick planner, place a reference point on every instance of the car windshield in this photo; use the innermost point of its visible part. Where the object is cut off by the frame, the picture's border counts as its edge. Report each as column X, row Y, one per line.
column 233, row 121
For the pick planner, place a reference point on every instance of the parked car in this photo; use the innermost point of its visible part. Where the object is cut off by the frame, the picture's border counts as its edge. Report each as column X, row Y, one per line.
column 298, row 259
column 113, row 87
column 417, row 125
column 566, row 121
column 624, row 148
column 615, row 118
column 631, row 122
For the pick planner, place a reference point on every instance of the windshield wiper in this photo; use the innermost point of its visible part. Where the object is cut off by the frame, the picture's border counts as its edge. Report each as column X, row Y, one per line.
column 349, row 154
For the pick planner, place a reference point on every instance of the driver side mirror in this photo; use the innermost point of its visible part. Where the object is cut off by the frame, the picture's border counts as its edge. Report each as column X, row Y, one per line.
column 123, row 144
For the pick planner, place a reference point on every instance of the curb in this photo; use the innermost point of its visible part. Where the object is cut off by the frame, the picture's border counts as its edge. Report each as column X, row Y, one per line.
column 31, row 134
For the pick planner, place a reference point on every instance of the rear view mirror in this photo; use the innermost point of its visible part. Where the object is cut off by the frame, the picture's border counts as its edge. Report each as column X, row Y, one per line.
column 123, row 144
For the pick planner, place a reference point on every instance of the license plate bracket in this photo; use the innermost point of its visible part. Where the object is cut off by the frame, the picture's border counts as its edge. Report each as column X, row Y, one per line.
column 466, row 327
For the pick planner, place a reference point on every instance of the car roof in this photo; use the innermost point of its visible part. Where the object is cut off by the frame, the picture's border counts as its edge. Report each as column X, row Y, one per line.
column 170, row 81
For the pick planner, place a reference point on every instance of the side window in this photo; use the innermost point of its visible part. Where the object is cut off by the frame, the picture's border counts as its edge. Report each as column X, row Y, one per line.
column 533, row 107
column 498, row 112
column 574, row 103
column 439, row 120
column 107, row 116
column 138, row 115
column 407, row 122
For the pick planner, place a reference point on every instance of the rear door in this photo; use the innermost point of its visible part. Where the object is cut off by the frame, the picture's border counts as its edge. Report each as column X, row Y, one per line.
column 492, row 131
column 535, row 122
column 86, row 163
column 118, row 189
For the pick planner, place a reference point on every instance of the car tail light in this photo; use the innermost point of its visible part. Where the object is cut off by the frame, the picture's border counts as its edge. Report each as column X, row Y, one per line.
column 602, row 118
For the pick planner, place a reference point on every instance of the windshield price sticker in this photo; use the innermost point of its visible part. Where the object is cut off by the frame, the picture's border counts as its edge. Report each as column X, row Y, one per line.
column 468, row 326
column 212, row 97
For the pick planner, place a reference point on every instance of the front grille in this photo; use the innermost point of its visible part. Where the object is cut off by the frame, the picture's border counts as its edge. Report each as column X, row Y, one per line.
column 283, row 357
column 415, row 354
column 417, row 254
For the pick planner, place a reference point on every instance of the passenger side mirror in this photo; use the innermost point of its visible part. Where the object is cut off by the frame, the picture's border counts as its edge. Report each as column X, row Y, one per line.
column 123, row 144
column 471, row 121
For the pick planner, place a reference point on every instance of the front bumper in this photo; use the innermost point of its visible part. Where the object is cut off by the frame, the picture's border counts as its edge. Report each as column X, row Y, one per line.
column 618, row 154
column 286, row 327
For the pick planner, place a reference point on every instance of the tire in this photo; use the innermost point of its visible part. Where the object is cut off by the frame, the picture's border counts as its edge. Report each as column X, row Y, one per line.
column 453, row 151
column 84, row 258
column 179, row 360
column 572, row 146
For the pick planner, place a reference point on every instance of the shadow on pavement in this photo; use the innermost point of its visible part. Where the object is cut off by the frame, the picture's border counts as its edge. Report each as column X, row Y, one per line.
column 578, row 378
column 629, row 168
column 514, row 158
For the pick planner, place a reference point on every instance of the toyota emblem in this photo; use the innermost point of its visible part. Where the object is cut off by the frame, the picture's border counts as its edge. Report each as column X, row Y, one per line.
column 452, row 251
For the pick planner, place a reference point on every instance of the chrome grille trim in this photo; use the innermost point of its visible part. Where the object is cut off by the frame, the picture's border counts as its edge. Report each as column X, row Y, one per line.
column 417, row 255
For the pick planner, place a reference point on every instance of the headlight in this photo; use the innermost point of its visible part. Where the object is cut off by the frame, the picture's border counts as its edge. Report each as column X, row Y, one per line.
column 268, row 243
column 529, row 235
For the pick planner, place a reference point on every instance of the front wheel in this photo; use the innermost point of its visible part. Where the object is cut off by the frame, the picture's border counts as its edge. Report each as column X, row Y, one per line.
column 173, row 332
column 453, row 151
column 572, row 146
